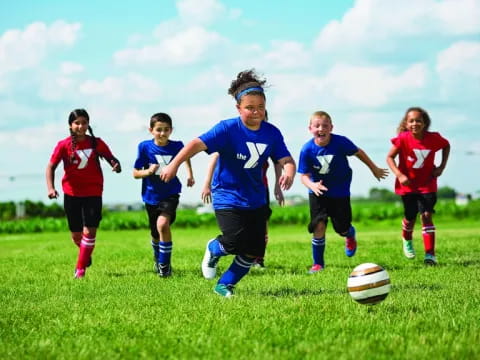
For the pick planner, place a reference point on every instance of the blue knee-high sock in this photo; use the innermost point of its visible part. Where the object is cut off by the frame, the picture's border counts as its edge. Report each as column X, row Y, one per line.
column 165, row 252
column 237, row 270
column 156, row 250
column 318, row 249
column 216, row 248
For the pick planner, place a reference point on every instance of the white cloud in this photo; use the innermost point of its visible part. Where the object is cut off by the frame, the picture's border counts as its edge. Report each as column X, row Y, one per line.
column 68, row 68
column 286, row 55
column 20, row 49
column 462, row 57
column 372, row 86
column 373, row 23
column 132, row 87
column 200, row 11
column 185, row 47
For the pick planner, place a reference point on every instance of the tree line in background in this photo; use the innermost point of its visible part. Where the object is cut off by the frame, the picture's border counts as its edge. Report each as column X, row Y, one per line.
column 9, row 210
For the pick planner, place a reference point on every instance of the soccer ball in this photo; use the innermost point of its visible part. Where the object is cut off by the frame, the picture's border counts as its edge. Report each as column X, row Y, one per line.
column 368, row 284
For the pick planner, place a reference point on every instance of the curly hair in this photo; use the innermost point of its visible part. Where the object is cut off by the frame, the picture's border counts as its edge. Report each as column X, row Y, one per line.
column 423, row 113
column 246, row 79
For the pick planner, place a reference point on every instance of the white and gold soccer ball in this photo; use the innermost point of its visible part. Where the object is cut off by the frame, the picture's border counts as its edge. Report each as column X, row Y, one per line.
column 368, row 284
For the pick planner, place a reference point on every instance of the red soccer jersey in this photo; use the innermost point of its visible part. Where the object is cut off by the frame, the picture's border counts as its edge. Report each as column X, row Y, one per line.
column 83, row 176
column 416, row 161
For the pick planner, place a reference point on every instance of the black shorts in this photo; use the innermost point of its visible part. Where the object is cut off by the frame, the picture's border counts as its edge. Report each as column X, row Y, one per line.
column 243, row 231
column 166, row 206
column 418, row 203
column 82, row 211
column 338, row 209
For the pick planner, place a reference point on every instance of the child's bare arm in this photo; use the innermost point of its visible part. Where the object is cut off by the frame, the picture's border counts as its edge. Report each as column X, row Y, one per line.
column 379, row 173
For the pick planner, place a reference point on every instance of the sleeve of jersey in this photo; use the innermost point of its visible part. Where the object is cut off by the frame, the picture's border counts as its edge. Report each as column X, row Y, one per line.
column 441, row 141
column 103, row 149
column 349, row 147
column 215, row 138
column 140, row 162
column 303, row 167
column 57, row 153
column 280, row 149
column 396, row 141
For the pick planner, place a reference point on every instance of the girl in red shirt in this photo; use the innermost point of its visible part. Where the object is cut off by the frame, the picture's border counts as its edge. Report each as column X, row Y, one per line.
column 417, row 174
column 82, row 183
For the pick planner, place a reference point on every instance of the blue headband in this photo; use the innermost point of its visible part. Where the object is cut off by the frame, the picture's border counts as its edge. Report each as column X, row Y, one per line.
column 247, row 90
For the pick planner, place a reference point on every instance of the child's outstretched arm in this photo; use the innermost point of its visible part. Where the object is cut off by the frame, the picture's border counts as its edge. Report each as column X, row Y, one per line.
column 278, row 190
column 317, row 187
column 207, row 186
column 289, row 167
column 190, row 179
column 379, row 173
column 445, row 153
column 192, row 148
column 50, row 177
column 392, row 154
column 143, row 173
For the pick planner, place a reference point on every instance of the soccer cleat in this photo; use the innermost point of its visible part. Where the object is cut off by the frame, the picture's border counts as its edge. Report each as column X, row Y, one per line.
column 164, row 270
column 315, row 269
column 430, row 260
column 259, row 264
column 408, row 249
column 209, row 263
column 79, row 273
column 156, row 267
column 350, row 246
column 224, row 290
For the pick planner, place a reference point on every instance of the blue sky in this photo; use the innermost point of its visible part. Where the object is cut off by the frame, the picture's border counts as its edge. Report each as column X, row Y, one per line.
column 365, row 62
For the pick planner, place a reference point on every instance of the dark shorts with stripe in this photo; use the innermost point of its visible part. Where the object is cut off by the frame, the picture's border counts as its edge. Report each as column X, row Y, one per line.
column 243, row 231
column 338, row 209
column 168, row 207
column 82, row 211
column 414, row 204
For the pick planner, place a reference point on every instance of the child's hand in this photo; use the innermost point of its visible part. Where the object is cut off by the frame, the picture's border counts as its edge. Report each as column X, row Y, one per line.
column 52, row 194
column 153, row 168
column 318, row 188
column 168, row 172
column 190, row 182
column 206, row 195
column 279, row 195
column 285, row 182
column 403, row 179
column 116, row 167
column 380, row 173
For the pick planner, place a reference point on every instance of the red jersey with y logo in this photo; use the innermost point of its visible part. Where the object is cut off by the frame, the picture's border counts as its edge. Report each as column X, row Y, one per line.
column 83, row 174
column 417, row 161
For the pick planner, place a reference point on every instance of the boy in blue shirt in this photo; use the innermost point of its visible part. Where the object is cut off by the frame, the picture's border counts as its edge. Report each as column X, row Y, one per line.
column 325, row 171
column 244, row 144
column 160, row 198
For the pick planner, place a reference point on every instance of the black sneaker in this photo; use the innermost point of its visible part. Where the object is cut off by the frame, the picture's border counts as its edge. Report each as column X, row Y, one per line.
column 164, row 270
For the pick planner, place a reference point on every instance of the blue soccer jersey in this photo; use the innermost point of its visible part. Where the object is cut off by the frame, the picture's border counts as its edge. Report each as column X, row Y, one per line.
column 329, row 163
column 237, row 180
column 155, row 190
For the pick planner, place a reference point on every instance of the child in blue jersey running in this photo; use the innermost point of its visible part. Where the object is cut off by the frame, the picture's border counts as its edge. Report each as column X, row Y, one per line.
column 244, row 144
column 160, row 198
column 325, row 171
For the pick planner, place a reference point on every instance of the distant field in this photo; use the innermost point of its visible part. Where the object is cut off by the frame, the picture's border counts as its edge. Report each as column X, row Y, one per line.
column 122, row 310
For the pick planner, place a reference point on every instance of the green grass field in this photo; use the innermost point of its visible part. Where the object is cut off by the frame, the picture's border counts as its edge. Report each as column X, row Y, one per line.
column 122, row 310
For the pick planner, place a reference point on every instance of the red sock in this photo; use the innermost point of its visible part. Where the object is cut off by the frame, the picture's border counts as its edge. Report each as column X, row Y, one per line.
column 86, row 248
column 428, row 233
column 407, row 229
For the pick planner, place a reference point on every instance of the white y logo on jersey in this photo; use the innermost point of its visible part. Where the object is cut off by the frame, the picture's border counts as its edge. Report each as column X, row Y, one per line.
column 324, row 161
column 162, row 160
column 421, row 156
column 255, row 151
column 83, row 155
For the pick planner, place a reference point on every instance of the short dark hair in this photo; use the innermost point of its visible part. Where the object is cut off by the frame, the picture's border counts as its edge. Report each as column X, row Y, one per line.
column 160, row 117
